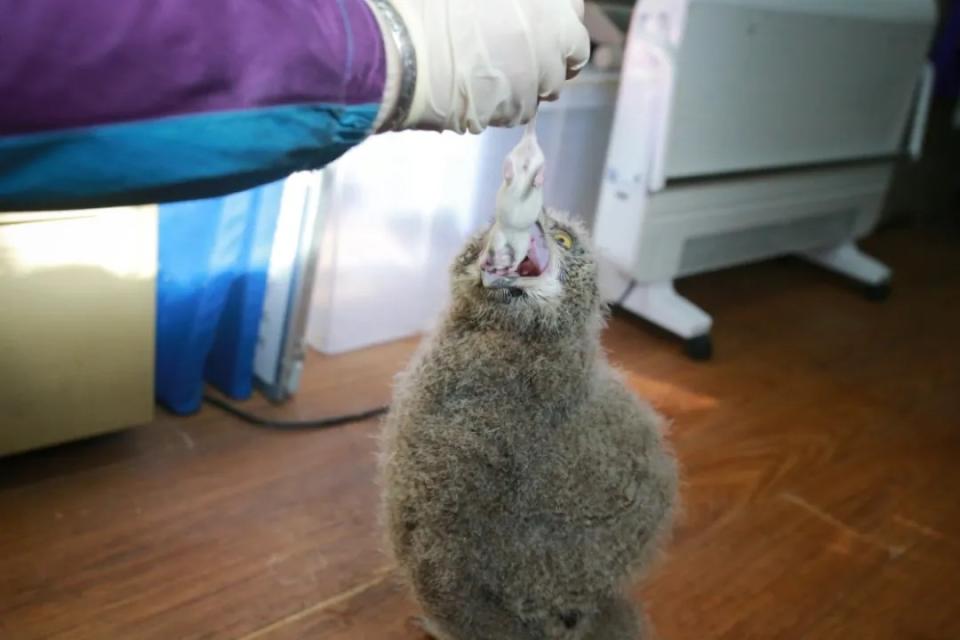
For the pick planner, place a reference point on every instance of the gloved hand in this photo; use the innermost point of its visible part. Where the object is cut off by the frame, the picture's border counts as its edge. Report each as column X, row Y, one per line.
column 483, row 63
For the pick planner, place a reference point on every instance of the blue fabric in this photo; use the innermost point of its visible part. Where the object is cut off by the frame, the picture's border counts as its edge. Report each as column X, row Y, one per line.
column 174, row 158
column 946, row 56
column 214, row 255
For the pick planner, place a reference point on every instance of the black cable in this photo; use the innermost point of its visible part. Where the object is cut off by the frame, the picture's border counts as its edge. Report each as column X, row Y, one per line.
column 626, row 294
column 320, row 423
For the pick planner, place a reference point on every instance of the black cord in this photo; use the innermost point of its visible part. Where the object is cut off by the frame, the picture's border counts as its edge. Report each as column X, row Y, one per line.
column 626, row 294
column 320, row 423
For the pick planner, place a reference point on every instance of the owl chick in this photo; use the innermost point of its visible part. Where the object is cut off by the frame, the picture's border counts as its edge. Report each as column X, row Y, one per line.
column 524, row 485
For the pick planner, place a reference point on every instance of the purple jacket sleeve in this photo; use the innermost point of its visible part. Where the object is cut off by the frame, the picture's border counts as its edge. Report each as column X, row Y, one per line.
column 65, row 63
column 108, row 102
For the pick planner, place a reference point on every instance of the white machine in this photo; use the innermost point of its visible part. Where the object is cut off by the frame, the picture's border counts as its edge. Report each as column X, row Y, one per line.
column 748, row 129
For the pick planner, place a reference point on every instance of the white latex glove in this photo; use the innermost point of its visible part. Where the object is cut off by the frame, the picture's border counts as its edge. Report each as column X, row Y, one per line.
column 487, row 63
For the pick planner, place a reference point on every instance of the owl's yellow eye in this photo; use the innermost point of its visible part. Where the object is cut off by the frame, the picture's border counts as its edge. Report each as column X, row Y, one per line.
column 563, row 239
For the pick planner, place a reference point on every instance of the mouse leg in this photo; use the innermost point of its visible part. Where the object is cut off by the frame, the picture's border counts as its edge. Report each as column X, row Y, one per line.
column 499, row 255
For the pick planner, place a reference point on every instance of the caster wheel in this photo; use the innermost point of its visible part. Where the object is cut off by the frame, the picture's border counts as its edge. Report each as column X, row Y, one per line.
column 877, row 292
column 699, row 348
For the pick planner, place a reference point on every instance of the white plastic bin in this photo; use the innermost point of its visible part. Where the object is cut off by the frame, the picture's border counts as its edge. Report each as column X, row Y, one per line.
column 398, row 208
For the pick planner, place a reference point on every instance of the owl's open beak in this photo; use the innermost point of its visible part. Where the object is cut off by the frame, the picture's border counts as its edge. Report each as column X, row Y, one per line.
column 532, row 266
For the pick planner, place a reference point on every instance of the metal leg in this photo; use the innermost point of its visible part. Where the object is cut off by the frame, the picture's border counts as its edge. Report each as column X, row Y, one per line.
column 847, row 259
column 659, row 303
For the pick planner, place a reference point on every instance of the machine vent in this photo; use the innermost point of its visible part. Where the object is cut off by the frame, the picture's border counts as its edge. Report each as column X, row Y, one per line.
column 703, row 253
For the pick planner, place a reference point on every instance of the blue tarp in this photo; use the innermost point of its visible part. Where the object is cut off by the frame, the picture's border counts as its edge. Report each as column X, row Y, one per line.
column 213, row 260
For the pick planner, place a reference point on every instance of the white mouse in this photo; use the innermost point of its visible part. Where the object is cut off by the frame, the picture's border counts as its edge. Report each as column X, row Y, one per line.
column 518, row 207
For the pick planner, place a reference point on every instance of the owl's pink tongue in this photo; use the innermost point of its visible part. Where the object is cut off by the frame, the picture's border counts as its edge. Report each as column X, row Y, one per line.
column 538, row 256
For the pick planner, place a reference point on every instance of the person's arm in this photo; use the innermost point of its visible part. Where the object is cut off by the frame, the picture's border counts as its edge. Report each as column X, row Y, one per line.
column 110, row 102
column 107, row 102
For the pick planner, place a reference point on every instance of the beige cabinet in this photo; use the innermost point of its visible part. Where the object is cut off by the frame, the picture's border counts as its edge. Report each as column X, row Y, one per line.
column 77, row 315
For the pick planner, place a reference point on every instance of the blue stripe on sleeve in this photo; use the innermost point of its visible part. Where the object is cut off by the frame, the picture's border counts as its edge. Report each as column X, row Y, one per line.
column 177, row 158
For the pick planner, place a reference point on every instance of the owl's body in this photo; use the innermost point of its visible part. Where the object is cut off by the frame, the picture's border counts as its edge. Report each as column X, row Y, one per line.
column 524, row 484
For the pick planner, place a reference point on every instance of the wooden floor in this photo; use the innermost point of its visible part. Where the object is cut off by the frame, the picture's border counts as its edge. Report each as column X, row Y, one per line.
column 821, row 451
